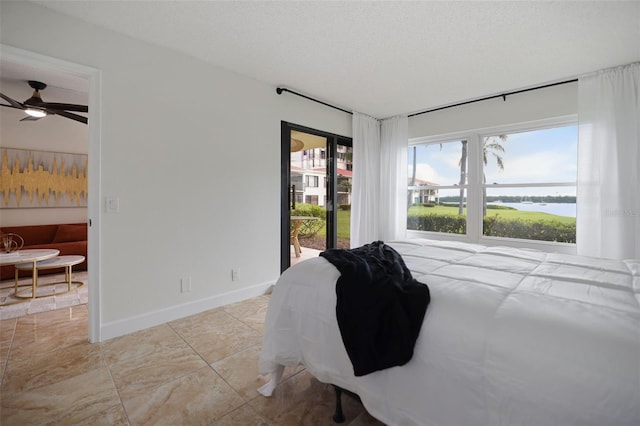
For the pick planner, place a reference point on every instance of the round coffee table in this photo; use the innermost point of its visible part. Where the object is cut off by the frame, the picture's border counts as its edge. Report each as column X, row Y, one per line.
column 27, row 259
column 57, row 262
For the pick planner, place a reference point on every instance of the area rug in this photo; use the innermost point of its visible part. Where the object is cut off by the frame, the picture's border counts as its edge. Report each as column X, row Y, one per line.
column 13, row 307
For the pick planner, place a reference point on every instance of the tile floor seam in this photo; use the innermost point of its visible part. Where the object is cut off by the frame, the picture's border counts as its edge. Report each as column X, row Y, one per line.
column 6, row 360
column 226, row 413
column 188, row 344
column 212, row 369
column 210, row 365
column 180, row 377
column 236, row 353
column 143, row 355
column 104, row 359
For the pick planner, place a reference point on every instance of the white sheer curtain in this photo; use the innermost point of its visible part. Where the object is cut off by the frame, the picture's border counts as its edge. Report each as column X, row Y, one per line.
column 393, row 183
column 365, row 190
column 608, row 212
column 379, row 190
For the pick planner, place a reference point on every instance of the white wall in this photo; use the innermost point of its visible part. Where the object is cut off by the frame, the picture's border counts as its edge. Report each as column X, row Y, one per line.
column 54, row 134
column 556, row 101
column 182, row 143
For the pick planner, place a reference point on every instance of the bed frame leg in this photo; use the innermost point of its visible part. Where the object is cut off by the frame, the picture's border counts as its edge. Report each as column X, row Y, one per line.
column 338, row 415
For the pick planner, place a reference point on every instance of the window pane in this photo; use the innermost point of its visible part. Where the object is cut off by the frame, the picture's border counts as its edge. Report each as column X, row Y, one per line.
column 443, row 213
column 432, row 207
column 539, row 156
column 532, row 213
column 438, row 163
column 343, row 189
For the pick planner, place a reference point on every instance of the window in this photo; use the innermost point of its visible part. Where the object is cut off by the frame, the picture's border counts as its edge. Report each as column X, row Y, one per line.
column 437, row 187
column 516, row 182
column 312, row 181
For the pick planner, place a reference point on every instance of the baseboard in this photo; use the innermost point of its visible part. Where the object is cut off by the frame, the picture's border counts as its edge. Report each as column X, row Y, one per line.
column 151, row 319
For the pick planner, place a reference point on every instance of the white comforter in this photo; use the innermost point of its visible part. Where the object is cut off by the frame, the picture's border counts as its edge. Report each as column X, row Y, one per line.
column 511, row 337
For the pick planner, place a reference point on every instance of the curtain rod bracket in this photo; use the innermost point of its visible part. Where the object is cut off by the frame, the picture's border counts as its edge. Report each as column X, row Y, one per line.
column 279, row 91
column 504, row 98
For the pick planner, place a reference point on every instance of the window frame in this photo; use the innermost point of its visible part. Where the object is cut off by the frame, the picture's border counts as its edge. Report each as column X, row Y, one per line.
column 475, row 186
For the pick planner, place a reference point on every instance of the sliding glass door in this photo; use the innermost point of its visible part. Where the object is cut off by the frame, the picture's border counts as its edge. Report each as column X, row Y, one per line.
column 315, row 192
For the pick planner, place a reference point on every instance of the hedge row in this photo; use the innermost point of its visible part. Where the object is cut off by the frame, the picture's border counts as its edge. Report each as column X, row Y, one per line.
column 541, row 230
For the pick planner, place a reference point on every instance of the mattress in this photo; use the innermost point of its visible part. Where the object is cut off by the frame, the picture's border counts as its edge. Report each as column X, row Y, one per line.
column 511, row 337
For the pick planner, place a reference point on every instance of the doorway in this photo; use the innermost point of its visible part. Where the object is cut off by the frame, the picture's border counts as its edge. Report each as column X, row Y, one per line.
column 316, row 174
column 48, row 66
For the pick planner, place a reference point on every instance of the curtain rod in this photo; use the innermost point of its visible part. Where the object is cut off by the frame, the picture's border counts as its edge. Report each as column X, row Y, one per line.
column 279, row 91
column 503, row 96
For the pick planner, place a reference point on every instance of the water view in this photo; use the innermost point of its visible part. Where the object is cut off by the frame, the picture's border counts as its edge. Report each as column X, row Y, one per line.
column 559, row 209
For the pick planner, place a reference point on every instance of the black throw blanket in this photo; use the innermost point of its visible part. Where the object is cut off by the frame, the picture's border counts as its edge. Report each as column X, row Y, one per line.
column 380, row 306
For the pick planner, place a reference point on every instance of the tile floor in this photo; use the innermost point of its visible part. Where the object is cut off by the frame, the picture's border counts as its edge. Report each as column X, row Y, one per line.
column 200, row 370
column 13, row 307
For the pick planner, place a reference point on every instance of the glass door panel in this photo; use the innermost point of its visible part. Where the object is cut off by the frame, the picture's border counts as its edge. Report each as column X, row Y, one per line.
column 344, row 175
column 308, row 161
column 316, row 193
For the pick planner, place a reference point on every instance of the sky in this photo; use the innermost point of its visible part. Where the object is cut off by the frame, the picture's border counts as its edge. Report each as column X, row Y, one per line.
column 540, row 156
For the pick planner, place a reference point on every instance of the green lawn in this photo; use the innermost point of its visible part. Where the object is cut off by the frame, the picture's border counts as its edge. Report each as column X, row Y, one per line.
column 344, row 217
column 503, row 213
column 344, row 223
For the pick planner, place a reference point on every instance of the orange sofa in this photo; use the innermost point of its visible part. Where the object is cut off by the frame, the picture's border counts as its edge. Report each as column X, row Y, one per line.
column 68, row 238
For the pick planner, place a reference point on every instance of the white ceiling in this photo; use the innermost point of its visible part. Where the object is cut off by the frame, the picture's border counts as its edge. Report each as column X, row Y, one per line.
column 61, row 86
column 385, row 58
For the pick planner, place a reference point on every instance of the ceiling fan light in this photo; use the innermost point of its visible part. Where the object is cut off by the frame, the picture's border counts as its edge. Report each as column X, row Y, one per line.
column 35, row 112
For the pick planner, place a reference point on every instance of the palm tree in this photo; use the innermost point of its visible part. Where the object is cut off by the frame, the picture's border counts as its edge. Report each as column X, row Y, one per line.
column 491, row 145
column 463, row 175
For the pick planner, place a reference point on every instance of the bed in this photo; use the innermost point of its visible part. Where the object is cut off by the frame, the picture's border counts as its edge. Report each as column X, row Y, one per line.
column 510, row 337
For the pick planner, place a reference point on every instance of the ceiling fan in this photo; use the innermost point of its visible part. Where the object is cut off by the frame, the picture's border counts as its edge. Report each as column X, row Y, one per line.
column 36, row 108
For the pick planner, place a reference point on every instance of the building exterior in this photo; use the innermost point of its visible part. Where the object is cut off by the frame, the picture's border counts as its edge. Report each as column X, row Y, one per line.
column 309, row 175
column 309, row 172
column 422, row 191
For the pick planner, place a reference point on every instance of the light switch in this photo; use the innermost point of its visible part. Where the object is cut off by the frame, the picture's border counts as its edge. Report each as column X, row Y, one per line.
column 113, row 205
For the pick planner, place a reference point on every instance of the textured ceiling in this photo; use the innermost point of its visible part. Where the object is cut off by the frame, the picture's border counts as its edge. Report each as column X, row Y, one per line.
column 385, row 58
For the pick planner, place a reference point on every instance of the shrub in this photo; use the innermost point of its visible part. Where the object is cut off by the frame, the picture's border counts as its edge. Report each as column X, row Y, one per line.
column 303, row 209
column 345, row 207
column 541, row 230
column 309, row 228
column 451, row 224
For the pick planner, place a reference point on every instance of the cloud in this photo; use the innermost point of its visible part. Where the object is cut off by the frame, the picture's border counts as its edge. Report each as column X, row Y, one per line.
column 428, row 173
column 544, row 166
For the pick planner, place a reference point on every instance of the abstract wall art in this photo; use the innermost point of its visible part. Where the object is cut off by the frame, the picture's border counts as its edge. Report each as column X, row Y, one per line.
column 42, row 179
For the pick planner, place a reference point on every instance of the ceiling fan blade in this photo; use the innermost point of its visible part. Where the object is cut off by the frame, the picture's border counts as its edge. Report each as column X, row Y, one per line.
column 30, row 118
column 63, row 107
column 13, row 103
column 11, row 106
column 70, row 115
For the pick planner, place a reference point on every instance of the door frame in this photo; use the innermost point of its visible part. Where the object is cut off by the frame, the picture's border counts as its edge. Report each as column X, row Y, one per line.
column 333, row 140
column 94, row 76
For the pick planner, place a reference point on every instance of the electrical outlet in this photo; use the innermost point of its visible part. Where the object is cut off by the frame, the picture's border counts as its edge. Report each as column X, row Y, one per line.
column 185, row 285
column 235, row 274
